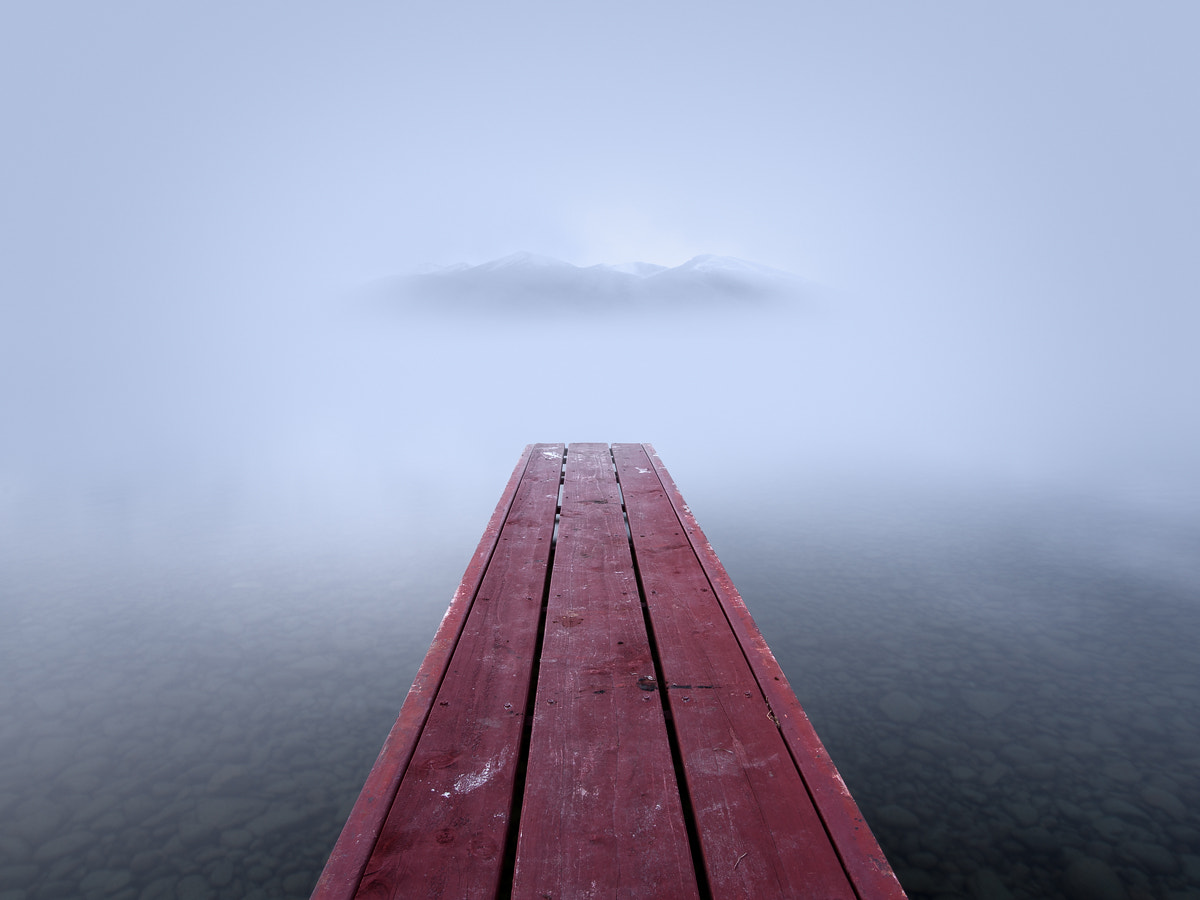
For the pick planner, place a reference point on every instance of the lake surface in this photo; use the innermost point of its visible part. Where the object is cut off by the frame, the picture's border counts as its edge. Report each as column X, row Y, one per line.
column 1007, row 682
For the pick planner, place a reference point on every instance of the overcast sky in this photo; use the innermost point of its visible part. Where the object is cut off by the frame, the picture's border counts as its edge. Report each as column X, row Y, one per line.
column 1007, row 197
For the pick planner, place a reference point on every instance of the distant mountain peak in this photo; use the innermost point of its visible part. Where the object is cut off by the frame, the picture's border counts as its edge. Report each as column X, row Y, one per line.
column 711, row 262
column 522, row 259
column 528, row 281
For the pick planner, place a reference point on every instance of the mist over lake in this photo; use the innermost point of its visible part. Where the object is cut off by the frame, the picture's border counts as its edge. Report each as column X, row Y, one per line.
column 951, row 468
column 201, row 660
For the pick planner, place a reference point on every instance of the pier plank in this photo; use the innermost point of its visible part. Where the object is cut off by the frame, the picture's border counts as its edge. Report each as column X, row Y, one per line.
column 599, row 716
column 601, row 803
column 865, row 864
column 344, row 870
column 757, row 840
column 447, row 831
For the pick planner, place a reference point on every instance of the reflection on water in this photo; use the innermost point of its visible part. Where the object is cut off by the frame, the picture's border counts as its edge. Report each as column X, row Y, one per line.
column 1008, row 688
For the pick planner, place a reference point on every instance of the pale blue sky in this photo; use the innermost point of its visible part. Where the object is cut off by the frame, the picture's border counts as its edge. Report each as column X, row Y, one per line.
column 1008, row 196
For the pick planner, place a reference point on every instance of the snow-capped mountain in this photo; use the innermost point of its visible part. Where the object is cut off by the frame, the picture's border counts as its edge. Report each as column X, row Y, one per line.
column 528, row 282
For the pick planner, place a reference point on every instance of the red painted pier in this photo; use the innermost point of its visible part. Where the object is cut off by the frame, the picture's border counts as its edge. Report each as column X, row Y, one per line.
column 599, row 716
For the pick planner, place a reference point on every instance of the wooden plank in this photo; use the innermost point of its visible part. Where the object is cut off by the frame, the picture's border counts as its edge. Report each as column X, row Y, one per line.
column 759, row 834
column 343, row 871
column 447, row 830
column 864, row 861
column 601, row 814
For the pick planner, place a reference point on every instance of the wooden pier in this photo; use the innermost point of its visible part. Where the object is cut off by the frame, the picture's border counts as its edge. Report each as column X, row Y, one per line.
column 599, row 716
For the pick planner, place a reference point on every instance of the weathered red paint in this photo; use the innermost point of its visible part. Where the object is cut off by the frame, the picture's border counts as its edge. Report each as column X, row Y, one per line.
column 611, row 783
column 759, row 835
column 448, row 827
column 344, row 869
column 601, row 803
column 861, row 855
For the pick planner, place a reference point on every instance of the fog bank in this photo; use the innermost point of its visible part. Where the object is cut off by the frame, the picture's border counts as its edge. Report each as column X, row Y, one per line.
column 1000, row 205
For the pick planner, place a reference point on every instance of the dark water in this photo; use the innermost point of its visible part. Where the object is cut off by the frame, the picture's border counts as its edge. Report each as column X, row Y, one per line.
column 1009, row 687
column 1008, row 684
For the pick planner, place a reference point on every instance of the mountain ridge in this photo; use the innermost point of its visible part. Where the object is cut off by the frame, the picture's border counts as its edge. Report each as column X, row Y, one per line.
column 524, row 281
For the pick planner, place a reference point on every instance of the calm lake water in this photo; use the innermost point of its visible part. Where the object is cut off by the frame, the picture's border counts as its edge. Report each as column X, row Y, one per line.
column 1008, row 683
